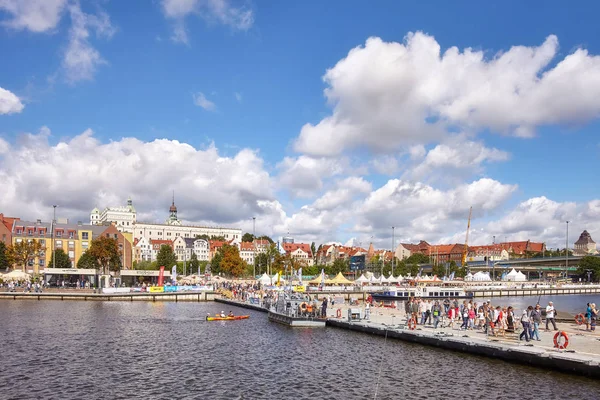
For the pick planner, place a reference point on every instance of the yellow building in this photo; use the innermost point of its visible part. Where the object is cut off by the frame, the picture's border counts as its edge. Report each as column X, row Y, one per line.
column 73, row 239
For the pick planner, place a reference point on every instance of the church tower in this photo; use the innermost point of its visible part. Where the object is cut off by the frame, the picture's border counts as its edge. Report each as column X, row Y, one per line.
column 173, row 220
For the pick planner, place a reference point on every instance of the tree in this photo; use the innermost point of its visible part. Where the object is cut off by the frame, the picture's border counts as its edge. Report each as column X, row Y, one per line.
column 166, row 257
column 417, row 258
column 194, row 263
column 87, row 261
column 21, row 253
column 232, row 263
column 272, row 252
column 60, row 259
column 262, row 262
column 144, row 265
column 313, row 249
column 4, row 264
column 215, row 263
column 589, row 263
column 106, row 253
column 339, row 265
column 267, row 238
column 247, row 237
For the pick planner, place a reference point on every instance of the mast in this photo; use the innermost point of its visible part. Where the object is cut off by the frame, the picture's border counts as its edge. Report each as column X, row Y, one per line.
column 465, row 250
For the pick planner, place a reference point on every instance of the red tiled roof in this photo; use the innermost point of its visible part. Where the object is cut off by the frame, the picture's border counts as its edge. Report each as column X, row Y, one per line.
column 291, row 247
column 8, row 221
column 160, row 242
column 246, row 246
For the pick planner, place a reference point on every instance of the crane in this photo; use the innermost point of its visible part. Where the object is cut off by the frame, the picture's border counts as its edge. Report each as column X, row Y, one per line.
column 466, row 249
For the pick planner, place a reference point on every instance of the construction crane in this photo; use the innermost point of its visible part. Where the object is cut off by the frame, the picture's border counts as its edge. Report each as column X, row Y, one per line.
column 466, row 249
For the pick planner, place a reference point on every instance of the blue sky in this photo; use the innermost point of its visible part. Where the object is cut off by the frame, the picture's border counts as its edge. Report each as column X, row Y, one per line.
column 260, row 66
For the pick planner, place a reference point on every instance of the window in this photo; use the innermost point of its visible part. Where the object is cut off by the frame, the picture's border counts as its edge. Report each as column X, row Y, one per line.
column 42, row 242
column 71, row 254
column 18, row 231
column 140, row 232
column 71, row 245
column 42, row 262
column 71, row 235
column 30, row 232
column 116, row 236
column 58, row 234
column 84, row 235
column 84, row 245
column 19, row 240
column 59, row 243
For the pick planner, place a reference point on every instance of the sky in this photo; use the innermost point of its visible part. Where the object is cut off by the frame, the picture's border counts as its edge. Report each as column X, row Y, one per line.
column 337, row 121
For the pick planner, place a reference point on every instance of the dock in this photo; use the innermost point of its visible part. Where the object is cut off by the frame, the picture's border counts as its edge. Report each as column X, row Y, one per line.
column 87, row 295
column 296, row 322
column 581, row 357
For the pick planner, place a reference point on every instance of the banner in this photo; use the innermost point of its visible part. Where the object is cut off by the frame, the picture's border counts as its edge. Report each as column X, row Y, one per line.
column 156, row 289
column 174, row 273
column 161, row 275
column 170, row 288
column 299, row 289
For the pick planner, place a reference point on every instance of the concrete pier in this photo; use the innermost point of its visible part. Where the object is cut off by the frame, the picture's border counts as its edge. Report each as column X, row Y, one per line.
column 134, row 296
column 581, row 357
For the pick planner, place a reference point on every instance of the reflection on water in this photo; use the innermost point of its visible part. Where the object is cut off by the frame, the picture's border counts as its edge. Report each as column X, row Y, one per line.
column 120, row 350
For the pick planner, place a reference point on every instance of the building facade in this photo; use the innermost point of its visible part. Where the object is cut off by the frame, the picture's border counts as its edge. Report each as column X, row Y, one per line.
column 124, row 217
column 585, row 245
column 6, row 226
column 300, row 252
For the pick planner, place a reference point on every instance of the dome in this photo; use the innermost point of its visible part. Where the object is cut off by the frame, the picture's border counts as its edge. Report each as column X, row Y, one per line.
column 173, row 208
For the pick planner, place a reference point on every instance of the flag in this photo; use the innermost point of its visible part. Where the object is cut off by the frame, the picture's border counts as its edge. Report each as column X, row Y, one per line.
column 451, row 276
column 300, row 275
column 322, row 278
column 174, row 273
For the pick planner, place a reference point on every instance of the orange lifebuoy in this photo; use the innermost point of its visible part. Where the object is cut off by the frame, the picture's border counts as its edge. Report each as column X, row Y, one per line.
column 303, row 306
column 411, row 324
column 557, row 337
column 579, row 319
column 338, row 313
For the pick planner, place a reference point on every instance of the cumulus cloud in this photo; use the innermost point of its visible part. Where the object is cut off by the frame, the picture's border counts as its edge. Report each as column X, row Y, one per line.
column 81, row 59
column 213, row 11
column 201, row 101
column 455, row 159
column 388, row 95
column 33, row 15
column 209, row 188
column 304, row 176
column 9, row 102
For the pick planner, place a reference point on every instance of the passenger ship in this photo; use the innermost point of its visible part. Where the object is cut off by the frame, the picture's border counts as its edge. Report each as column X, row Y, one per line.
column 424, row 292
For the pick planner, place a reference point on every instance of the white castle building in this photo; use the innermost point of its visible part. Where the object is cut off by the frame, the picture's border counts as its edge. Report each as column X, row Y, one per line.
column 124, row 217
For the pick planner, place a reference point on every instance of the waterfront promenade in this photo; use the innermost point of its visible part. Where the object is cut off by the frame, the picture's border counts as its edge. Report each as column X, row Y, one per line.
column 581, row 357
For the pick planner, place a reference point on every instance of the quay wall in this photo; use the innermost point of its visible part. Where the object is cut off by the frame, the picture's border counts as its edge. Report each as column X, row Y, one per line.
column 533, row 292
column 559, row 361
column 169, row 296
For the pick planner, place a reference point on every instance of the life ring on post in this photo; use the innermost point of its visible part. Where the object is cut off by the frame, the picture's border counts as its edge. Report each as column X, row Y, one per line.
column 557, row 342
column 338, row 313
column 579, row 319
column 303, row 306
column 411, row 324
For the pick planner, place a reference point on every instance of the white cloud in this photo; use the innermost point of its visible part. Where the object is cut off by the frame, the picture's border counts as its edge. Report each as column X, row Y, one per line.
column 384, row 164
column 201, row 101
column 456, row 158
column 209, row 188
column 389, row 95
column 81, row 59
column 33, row 15
column 9, row 102
column 238, row 97
column 213, row 11
column 304, row 176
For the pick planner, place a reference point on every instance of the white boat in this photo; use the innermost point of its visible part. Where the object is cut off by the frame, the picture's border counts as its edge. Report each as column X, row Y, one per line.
column 423, row 292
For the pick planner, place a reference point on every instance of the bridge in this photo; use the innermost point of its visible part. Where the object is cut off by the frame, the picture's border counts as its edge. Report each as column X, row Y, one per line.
column 548, row 266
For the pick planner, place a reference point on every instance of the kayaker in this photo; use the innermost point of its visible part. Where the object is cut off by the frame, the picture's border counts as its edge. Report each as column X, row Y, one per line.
column 222, row 314
column 230, row 314
column 207, row 315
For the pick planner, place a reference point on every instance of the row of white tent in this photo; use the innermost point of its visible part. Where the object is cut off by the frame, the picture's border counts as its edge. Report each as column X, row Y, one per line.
column 481, row 276
column 367, row 278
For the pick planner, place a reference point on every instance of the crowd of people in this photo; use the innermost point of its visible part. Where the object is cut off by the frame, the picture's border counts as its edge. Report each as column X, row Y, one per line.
column 491, row 319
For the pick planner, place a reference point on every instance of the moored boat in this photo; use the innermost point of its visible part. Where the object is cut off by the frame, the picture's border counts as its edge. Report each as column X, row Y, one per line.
column 423, row 292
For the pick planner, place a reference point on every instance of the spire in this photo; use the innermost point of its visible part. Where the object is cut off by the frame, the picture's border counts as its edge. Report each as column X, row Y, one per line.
column 173, row 208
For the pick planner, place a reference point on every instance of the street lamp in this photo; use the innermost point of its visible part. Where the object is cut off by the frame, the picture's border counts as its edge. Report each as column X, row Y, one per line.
column 53, row 241
column 567, row 251
column 254, row 246
column 393, row 250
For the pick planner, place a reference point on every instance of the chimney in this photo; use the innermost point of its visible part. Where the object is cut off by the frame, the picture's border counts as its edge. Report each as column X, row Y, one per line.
column 39, row 221
column 79, row 223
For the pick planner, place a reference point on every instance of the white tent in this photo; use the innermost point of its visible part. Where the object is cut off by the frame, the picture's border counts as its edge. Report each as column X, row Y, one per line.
column 16, row 274
column 374, row 280
column 275, row 277
column 399, row 278
column 482, row 277
column 264, row 279
column 391, row 279
column 383, row 279
column 362, row 279
column 511, row 276
column 520, row 277
column 469, row 277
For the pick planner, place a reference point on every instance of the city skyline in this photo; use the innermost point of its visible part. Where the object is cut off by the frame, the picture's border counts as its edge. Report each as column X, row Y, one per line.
column 330, row 123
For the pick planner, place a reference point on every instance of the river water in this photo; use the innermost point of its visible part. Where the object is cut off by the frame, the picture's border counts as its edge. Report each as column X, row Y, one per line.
column 124, row 350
